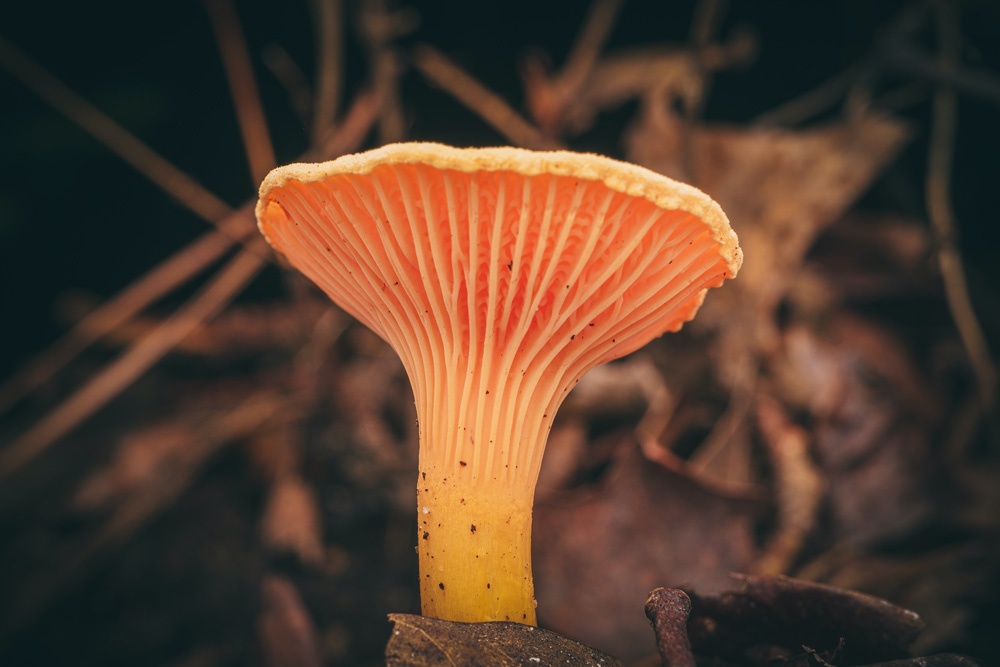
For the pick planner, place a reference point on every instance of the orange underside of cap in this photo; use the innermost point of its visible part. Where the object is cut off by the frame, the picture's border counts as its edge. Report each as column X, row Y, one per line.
column 554, row 267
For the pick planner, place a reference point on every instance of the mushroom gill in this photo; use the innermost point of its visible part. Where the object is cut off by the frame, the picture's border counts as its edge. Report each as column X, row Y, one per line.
column 499, row 276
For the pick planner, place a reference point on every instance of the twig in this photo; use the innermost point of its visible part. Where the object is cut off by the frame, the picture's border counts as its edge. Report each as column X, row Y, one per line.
column 329, row 65
column 159, row 281
column 174, row 271
column 596, row 29
column 125, row 145
column 549, row 99
column 489, row 106
column 740, row 403
column 707, row 14
column 259, row 409
column 814, row 102
column 799, row 487
column 291, row 78
column 601, row 19
column 939, row 167
column 352, row 130
column 379, row 27
column 139, row 357
column 906, row 60
column 242, row 87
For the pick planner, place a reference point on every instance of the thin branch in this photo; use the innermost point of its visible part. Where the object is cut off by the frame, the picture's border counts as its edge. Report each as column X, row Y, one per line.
column 172, row 272
column 156, row 283
column 135, row 361
column 906, row 60
column 242, row 87
column 489, row 106
column 380, row 27
column 799, row 487
column 350, row 133
column 259, row 410
column 741, row 402
column 707, row 14
column 291, row 78
column 329, row 65
column 117, row 139
column 600, row 21
column 175, row 270
column 814, row 102
column 939, row 169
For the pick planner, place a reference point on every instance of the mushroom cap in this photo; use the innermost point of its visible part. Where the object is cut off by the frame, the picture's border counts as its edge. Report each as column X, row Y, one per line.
column 502, row 245
column 500, row 276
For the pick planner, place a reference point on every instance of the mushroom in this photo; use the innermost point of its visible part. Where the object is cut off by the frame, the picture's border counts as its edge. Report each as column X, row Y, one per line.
column 499, row 276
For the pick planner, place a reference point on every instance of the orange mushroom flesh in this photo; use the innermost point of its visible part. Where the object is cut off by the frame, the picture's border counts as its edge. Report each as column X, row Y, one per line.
column 499, row 276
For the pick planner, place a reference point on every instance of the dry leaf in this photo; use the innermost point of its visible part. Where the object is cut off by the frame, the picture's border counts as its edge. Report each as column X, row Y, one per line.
column 423, row 642
column 872, row 436
column 598, row 552
column 779, row 187
column 790, row 613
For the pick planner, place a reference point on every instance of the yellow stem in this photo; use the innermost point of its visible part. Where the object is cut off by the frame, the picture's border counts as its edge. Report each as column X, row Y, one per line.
column 475, row 548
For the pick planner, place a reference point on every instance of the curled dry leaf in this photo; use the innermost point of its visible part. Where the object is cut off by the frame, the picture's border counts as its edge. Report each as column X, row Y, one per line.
column 770, row 613
column 418, row 641
column 872, row 436
column 598, row 552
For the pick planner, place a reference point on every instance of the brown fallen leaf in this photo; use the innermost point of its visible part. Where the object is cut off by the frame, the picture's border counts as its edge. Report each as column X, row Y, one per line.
column 753, row 174
column 599, row 551
column 778, row 612
column 872, row 436
column 418, row 641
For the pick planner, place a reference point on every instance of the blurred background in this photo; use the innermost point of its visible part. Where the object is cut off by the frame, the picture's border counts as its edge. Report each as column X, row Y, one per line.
column 203, row 462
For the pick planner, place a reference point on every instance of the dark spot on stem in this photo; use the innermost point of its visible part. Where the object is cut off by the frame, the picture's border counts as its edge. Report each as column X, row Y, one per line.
column 473, row 527
column 441, row 586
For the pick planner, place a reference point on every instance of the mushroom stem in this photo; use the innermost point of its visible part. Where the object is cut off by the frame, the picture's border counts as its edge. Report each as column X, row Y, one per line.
column 475, row 550
column 480, row 452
